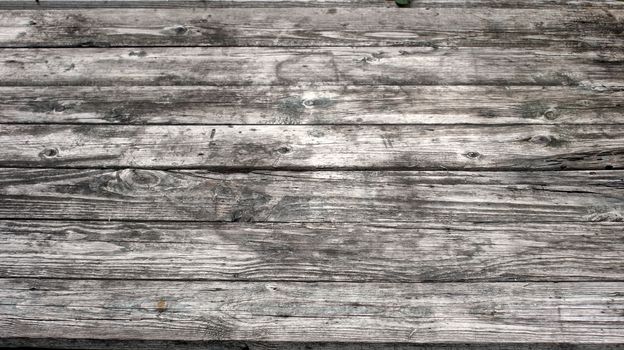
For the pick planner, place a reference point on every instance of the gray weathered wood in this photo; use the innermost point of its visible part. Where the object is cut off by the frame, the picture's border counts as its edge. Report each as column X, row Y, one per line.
column 291, row 311
column 133, row 344
column 415, row 147
column 311, row 105
column 442, row 197
column 44, row 4
column 577, row 28
column 326, row 65
column 413, row 252
column 198, row 4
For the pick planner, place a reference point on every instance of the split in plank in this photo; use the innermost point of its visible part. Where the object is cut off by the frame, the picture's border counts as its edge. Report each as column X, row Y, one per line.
column 594, row 28
column 384, row 104
column 415, row 147
column 324, row 65
column 390, row 252
column 295, row 311
column 326, row 196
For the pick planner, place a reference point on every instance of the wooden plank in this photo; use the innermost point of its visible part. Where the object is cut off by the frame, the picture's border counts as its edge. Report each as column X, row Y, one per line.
column 412, row 252
column 133, row 344
column 311, row 105
column 198, row 4
column 44, row 4
column 587, row 28
column 415, row 147
column 289, row 66
column 291, row 311
column 442, row 197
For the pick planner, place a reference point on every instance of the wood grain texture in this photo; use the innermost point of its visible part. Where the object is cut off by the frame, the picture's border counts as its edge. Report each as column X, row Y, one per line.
column 416, row 147
column 327, row 65
column 442, row 197
column 288, row 311
column 198, row 4
column 133, row 344
column 311, row 105
column 578, row 29
column 415, row 252
column 72, row 4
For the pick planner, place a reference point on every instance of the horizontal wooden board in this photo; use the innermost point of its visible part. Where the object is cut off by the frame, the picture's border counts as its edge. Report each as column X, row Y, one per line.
column 326, row 196
column 133, row 344
column 291, row 311
column 327, row 65
column 311, row 105
column 198, row 4
column 43, row 4
column 415, row 252
column 416, row 147
column 575, row 28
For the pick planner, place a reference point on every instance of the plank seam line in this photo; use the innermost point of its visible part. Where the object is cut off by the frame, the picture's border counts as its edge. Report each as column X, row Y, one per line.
column 308, row 281
column 315, row 124
column 246, row 170
column 267, row 223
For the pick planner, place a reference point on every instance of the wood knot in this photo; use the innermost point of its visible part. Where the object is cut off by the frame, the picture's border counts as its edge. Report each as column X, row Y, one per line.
column 49, row 153
column 176, row 30
column 550, row 114
column 180, row 30
column 540, row 140
column 139, row 178
column 283, row 150
column 472, row 155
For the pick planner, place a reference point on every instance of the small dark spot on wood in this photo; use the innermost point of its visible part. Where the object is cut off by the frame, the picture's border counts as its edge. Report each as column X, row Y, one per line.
column 200, row 154
column 472, row 155
column 49, row 153
column 331, row 11
column 179, row 30
column 161, row 306
column 609, row 167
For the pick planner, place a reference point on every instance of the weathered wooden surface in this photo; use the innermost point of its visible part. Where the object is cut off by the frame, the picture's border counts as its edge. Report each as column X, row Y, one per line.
column 198, row 4
column 133, row 194
column 133, row 344
column 465, row 312
column 327, row 105
column 414, row 147
column 390, row 252
column 575, row 28
column 457, row 177
column 327, row 65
